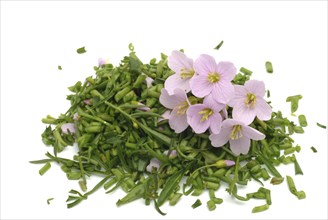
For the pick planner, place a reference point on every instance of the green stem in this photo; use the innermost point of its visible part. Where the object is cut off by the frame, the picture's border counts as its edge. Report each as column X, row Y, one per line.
column 234, row 181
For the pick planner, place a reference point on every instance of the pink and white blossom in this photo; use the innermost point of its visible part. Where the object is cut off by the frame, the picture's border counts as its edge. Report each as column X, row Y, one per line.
column 76, row 116
column 88, row 101
column 68, row 128
column 179, row 104
column 149, row 82
column 154, row 163
column 184, row 71
column 213, row 78
column 249, row 102
column 207, row 115
column 238, row 134
column 102, row 61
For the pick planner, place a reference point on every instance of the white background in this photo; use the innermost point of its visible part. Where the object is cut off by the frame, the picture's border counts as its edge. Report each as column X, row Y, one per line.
column 38, row 36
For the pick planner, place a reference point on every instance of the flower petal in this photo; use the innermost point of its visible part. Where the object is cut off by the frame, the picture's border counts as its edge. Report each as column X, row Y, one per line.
column 240, row 95
column 240, row 145
column 149, row 82
column 215, row 123
column 227, row 70
column 154, row 162
column 224, row 113
column 194, row 118
column 243, row 113
column 175, row 81
column 256, row 87
column 205, row 64
column 194, row 109
column 169, row 101
column 240, row 91
column 252, row 133
column 218, row 140
column 200, row 86
column 229, row 123
column 223, row 92
column 177, row 122
column 178, row 61
column 165, row 116
column 263, row 110
column 68, row 128
column 180, row 95
column 212, row 104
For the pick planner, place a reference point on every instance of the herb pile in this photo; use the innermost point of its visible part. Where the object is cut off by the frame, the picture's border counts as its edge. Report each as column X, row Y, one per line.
column 125, row 131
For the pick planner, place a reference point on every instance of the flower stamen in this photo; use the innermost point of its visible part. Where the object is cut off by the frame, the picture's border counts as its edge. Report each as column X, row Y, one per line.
column 182, row 108
column 236, row 132
column 213, row 77
column 186, row 74
column 250, row 100
column 206, row 113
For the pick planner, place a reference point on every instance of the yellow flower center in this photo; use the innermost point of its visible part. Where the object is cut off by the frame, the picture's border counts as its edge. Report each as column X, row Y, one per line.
column 182, row 108
column 213, row 77
column 236, row 132
column 250, row 100
column 186, row 74
column 206, row 113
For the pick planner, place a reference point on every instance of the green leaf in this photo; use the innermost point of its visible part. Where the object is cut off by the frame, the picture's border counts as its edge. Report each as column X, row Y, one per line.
column 136, row 193
column 218, row 46
column 171, row 183
column 81, row 50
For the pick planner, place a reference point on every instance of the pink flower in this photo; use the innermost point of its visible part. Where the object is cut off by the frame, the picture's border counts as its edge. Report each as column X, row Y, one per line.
column 149, row 81
column 154, row 162
column 223, row 112
column 68, row 128
column 249, row 102
column 179, row 104
column 88, row 101
column 238, row 134
column 213, row 78
column 183, row 68
column 143, row 107
column 204, row 116
column 102, row 61
column 76, row 116
column 172, row 154
column 165, row 116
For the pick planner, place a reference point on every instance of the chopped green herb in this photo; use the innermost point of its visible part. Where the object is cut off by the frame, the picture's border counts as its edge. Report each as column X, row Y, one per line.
column 245, row 71
column 44, row 169
column 131, row 47
column 321, row 126
column 298, row 129
column 196, row 204
column 219, row 45
column 293, row 190
column 48, row 200
column 81, row 50
column 268, row 93
column 260, row 208
column 211, row 205
column 302, row 120
column 175, row 198
column 59, row 67
column 294, row 102
column 314, row 149
column 268, row 66
column 276, row 180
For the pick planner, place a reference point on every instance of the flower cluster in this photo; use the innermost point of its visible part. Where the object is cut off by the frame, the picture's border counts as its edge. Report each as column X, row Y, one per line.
column 198, row 94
